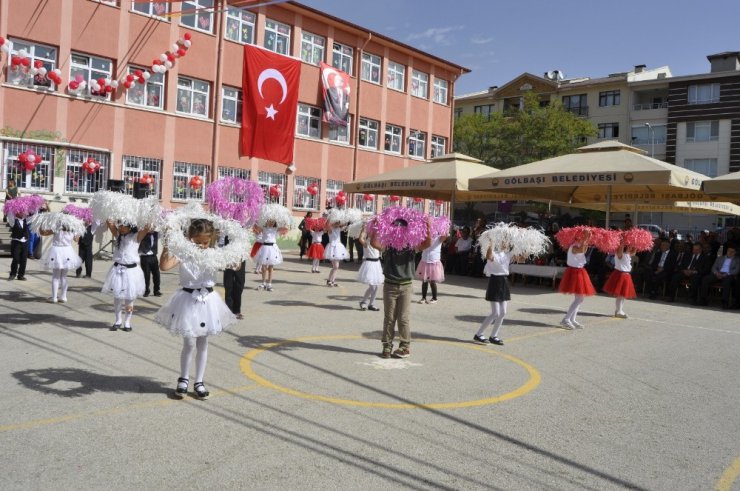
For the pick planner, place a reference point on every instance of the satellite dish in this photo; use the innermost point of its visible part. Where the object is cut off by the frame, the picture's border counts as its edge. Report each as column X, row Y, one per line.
column 558, row 75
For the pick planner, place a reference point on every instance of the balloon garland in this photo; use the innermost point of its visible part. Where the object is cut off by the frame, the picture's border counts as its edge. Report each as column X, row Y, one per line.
column 29, row 159
column 91, row 166
column 165, row 61
column 236, row 199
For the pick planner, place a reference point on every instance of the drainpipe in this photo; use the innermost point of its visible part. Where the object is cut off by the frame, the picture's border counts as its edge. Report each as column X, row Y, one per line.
column 357, row 106
column 452, row 110
column 217, row 88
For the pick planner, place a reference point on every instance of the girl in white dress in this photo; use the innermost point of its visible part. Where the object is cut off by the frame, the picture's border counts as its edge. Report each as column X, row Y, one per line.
column 371, row 271
column 269, row 254
column 60, row 257
column 335, row 251
column 497, row 293
column 125, row 279
column 195, row 311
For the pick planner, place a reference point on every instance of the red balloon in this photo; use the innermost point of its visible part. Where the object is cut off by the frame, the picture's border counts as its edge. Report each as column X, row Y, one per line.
column 367, row 197
column 73, row 85
column 438, row 202
column 38, row 64
column 340, row 199
column 129, row 78
column 29, row 166
column 274, row 191
column 15, row 60
column 196, row 182
column 108, row 89
column 181, row 52
column 23, row 158
column 394, row 198
column 187, row 36
column 26, row 62
column 418, row 200
column 127, row 84
column 138, row 73
column 170, row 57
column 141, row 80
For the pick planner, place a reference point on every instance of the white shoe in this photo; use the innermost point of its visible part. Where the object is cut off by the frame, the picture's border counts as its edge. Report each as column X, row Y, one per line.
column 577, row 325
column 62, row 300
column 51, row 300
column 621, row 315
column 567, row 324
column 261, row 287
column 422, row 301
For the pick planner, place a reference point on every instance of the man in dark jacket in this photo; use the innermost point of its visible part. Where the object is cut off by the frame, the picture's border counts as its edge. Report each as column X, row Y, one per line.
column 661, row 269
column 84, row 248
column 692, row 269
column 148, row 252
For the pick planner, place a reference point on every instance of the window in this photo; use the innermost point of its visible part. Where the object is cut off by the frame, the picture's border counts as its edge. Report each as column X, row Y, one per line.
column 485, row 110
column 415, row 203
column 309, row 121
column 458, row 112
column 396, row 76
column 417, row 144
column 277, row 37
column 609, row 130
column 134, row 168
column 440, row 90
column 702, row 131
column 233, row 172
column 332, row 189
column 371, row 68
column 38, row 179
column 91, row 68
column 419, row 84
column 77, row 179
column 439, row 145
column 109, row 2
column 192, row 97
column 642, row 135
column 198, row 15
column 231, row 105
column 302, row 199
column 708, row 167
column 339, row 133
column 182, row 173
column 312, row 48
column 368, row 133
column 342, row 57
column 148, row 94
column 393, row 138
column 437, row 208
column 20, row 74
column 154, row 9
column 609, row 98
column 240, row 25
column 365, row 205
column 576, row 104
column 388, row 203
column 268, row 179
column 703, row 93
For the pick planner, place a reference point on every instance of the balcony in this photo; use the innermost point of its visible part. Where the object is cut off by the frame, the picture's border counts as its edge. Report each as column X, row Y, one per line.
column 581, row 111
column 648, row 106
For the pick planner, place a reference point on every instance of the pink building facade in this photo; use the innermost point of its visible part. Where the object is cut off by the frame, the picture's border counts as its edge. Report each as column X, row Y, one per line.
column 186, row 122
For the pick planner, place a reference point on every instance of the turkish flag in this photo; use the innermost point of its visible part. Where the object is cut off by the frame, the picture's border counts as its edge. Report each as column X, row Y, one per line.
column 270, row 104
column 335, row 84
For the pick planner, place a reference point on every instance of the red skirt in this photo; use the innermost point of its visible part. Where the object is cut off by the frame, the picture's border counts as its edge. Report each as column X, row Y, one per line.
column 620, row 284
column 316, row 251
column 255, row 248
column 577, row 282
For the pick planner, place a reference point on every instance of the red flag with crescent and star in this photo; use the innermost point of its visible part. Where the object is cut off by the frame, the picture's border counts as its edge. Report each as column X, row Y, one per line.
column 270, row 104
column 335, row 85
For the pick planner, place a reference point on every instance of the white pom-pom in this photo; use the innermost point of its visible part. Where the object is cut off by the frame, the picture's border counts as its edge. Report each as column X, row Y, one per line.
column 57, row 222
column 355, row 229
column 521, row 241
column 117, row 207
column 273, row 212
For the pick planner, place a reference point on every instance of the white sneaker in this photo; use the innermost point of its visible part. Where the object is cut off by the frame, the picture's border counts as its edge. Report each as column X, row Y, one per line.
column 261, row 287
column 567, row 324
column 621, row 315
column 51, row 300
column 576, row 324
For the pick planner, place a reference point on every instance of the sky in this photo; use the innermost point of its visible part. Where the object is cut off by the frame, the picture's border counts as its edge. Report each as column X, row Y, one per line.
column 500, row 39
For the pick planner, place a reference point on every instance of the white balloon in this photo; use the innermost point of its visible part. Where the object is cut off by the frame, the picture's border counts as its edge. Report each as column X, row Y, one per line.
column 181, row 41
column 31, row 158
column 187, row 43
column 23, row 53
column 5, row 48
column 33, row 71
column 146, row 75
column 82, row 85
column 58, row 72
column 163, row 57
column 175, row 47
column 42, row 71
column 114, row 84
column 168, row 64
column 108, row 81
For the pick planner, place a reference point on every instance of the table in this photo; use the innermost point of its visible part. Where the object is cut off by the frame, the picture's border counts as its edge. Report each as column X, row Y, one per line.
column 552, row 272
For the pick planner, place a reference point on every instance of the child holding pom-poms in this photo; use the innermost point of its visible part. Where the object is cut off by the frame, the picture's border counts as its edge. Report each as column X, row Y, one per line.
column 335, row 252
column 274, row 219
column 430, row 270
column 620, row 283
column 575, row 280
column 371, row 272
column 61, row 257
column 316, row 249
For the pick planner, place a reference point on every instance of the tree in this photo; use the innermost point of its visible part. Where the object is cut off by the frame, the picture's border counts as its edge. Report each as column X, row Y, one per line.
column 521, row 136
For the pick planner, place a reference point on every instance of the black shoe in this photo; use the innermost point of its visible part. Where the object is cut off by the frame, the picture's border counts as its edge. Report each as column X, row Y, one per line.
column 157, row 294
column 22, row 278
column 126, row 329
column 115, row 327
column 480, row 339
column 200, row 391
column 11, row 277
column 373, row 308
column 180, row 391
column 496, row 340
column 146, row 293
column 88, row 276
column 78, row 275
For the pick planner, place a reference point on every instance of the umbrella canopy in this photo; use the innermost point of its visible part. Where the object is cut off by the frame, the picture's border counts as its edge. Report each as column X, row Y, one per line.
column 598, row 173
column 445, row 177
column 693, row 207
column 724, row 187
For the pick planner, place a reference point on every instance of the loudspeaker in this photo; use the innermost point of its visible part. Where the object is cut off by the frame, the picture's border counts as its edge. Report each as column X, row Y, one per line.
column 141, row 190
column 116, row 185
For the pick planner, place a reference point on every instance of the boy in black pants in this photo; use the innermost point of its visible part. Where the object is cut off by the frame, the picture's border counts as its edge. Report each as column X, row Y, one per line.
column 149, row 263
column 19, row 236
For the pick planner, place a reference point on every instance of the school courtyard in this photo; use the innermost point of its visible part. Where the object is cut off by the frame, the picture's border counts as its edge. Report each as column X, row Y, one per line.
column 300, row 398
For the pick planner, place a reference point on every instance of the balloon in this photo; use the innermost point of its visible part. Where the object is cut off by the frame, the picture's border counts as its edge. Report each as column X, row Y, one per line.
column 101, row 81
column 114, row 84
column 127, row 84
column 146, row 75
column 188, row 36
column 170, row 56
column 418, row 200
column 15, row 61
column 274, row 191
column 129, row 78
column 181, row 52
column 73, row 85
column 340, row 200
column 175, row 47
column 23, row 158
column 168, row 64
column 38, row 64
column 196, row 182
column 23, row 53
column 31, row 158
column 138, row 73
column 187, row 43
column 57, row 72
column 42, row 71
column 394, row 198
column 438, row 202
column 108, row 89
column 163, row 57
column 340, row 193
column 26, row 62
column 141, row 80
column 367, row 197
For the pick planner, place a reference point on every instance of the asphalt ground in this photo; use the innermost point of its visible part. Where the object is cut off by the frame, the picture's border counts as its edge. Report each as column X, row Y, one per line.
column 300, row 398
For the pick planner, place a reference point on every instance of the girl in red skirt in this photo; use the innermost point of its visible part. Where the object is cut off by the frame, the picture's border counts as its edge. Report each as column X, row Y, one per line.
column 576, row 281
column 316, row 249
column 620, row 283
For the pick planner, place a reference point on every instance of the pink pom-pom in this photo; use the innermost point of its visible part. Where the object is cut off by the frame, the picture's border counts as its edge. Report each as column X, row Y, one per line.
column 568, row 236
column 84, row 214
column 236, row 199
column 24, row 205
column 395, row 236
column 606, row 241
column 639, row 239
column 441, row 226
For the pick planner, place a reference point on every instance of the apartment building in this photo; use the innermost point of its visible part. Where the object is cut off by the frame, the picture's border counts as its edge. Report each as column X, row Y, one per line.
column 170, row 127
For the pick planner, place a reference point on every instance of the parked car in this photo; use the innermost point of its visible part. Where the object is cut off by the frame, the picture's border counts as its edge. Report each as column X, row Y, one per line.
column 655, row 230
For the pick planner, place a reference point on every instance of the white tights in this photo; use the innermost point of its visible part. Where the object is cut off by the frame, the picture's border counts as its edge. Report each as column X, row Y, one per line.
column 118, row 305
column 370, row 293
column 315, row 265
column 59, row 279
column 620, row 305
column 201, row 357
column 498, row 312
column 334, row 271
column 573, row 309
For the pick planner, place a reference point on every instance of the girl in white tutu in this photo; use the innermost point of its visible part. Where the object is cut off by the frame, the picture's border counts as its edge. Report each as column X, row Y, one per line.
column 371, row 271
column 125, row 279
column 430, row 270
column 335, row 250
column 497, row 293
column 60, row 257
column 195, row 311
column 269, row 254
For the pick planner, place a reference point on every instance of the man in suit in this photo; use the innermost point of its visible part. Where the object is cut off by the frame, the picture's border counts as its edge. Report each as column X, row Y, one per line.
column 724, row 272
column 661, row 268
column 692, row 268
column 19, row 236
column 148, row 252
column 84, row 248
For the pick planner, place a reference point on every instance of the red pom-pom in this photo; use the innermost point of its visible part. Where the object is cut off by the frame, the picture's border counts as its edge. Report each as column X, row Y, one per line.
column 639, row 239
